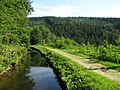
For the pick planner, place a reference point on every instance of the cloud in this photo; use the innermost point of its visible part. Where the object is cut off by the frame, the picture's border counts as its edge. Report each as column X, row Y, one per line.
column 61, row 10
column 75, row 10
column 111, row 12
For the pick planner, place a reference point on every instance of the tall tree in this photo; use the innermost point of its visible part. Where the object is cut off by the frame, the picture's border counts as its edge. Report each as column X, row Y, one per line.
column 13, row 17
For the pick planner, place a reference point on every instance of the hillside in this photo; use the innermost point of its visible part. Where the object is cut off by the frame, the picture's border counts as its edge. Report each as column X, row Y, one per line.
column 81, row 29
column 97, row 39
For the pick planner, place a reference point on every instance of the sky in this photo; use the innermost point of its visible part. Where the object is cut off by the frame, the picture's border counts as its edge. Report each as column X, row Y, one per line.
column 76, row 8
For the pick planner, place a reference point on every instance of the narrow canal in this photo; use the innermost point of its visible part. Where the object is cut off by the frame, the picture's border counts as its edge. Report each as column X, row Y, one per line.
column 33, row 73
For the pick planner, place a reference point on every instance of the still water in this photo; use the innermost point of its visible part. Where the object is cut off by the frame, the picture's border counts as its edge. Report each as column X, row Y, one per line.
column 33, row 73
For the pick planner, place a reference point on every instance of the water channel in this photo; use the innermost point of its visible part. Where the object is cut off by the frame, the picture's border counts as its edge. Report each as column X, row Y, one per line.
column 33, row 73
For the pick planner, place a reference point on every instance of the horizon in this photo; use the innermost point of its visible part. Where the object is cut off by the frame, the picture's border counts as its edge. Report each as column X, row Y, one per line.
column 70, row 17
column 76, row 8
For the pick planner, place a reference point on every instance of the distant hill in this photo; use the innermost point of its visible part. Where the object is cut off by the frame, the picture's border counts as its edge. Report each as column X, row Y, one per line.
column 81, row 29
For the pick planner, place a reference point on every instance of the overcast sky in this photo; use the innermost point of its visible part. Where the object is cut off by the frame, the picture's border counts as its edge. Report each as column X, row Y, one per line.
column 76, row 8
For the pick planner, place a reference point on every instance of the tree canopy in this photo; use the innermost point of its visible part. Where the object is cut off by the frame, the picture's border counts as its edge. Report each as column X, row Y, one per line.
column 81, row 29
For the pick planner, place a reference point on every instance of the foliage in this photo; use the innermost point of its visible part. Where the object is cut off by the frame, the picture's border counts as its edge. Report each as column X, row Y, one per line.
column 63, row 43
column 13, row 21
column 14, row 31
column 63, row 33
column 80, row 29
column 108, row 55
column 118, row 41
column 77, row 77
column 41, row 35
column 35, row 36
column 10, row 55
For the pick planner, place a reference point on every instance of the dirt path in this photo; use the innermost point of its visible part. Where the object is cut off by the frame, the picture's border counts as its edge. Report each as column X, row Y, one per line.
column 96, row 67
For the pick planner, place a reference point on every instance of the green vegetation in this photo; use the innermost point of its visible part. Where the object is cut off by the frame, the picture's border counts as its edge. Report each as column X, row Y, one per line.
column 94, row 38
column 14, row 31
column 81, row 29
column 77, row 77
column 108, row 55
column 13, row 22
column 41, row 35
column 10, row 55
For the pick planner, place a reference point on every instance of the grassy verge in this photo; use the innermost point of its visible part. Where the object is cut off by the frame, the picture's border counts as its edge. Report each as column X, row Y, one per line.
column 10, row 55
column 108, row 56
column 77, row 77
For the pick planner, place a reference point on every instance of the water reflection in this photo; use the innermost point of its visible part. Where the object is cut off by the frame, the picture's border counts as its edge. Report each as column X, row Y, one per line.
column 32, row 74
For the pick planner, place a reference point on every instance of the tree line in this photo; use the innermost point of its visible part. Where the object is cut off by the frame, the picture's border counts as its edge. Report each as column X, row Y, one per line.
column 81, row 29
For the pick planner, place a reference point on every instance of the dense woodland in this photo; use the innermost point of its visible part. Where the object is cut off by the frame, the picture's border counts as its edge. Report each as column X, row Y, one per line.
column 82, row 29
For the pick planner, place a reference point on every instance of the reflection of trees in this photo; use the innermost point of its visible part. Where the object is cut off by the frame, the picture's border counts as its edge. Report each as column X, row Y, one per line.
column 18, row 79
column 37, row 60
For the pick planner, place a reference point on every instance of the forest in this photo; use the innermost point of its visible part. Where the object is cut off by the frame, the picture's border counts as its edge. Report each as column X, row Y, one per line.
column 81, row 29
column 95, row 38
column 98, row 38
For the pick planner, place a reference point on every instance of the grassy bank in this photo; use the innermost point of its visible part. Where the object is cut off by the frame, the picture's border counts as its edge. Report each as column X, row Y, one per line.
column 108, row 55
column 10, row 55
column 77, row 77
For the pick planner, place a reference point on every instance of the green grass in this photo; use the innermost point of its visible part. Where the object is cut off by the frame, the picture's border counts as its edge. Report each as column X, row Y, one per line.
column 108, row 56
column 75, row 76
column 111, row 65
